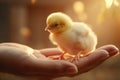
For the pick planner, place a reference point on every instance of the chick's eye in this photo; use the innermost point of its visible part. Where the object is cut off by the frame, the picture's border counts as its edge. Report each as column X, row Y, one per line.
column 56, row 24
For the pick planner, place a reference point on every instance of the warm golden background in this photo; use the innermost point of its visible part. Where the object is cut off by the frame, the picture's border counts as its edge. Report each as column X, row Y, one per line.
column 23, row 21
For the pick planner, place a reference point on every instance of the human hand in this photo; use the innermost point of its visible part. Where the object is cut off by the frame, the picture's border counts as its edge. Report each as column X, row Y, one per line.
column 25, row 61
column 93, row 60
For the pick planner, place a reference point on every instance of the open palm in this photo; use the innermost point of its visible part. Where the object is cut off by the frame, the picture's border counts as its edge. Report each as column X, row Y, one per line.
column 24, row 61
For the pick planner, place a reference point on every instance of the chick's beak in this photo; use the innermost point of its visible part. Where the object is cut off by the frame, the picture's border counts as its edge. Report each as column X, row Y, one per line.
column 47, row 28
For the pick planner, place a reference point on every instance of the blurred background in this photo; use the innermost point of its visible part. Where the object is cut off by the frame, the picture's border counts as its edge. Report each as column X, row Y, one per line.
column 24, row 21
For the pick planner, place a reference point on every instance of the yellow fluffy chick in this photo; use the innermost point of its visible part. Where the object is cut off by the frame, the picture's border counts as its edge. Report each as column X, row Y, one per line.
column 71, row 37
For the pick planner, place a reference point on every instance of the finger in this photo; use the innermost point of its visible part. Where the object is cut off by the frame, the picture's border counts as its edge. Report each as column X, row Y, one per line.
column 112, row 49
column 50, row 51
column 50, row 68
column 96, row 58
column 101, row 53
column 89, row 62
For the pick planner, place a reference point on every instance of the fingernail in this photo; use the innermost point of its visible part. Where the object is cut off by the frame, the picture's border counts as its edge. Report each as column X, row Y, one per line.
column 113, row 51
column 71, row 70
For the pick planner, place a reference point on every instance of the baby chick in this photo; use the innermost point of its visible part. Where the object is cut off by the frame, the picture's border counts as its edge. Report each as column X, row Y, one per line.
column 74, row 38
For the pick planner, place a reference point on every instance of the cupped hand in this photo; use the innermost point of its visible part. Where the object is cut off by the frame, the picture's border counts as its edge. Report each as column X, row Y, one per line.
column 95, row 58
column 24, row 61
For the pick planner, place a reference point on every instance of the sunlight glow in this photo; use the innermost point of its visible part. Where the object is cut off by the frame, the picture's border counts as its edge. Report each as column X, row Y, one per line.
column 33, row 1
column 109, row 3
column 25, row 32
column 78, row 7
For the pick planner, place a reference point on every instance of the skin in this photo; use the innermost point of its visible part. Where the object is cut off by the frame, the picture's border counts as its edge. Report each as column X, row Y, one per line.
column 16, row 59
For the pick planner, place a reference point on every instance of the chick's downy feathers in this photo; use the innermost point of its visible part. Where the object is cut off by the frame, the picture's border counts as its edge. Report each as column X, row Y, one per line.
column 71, row 37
